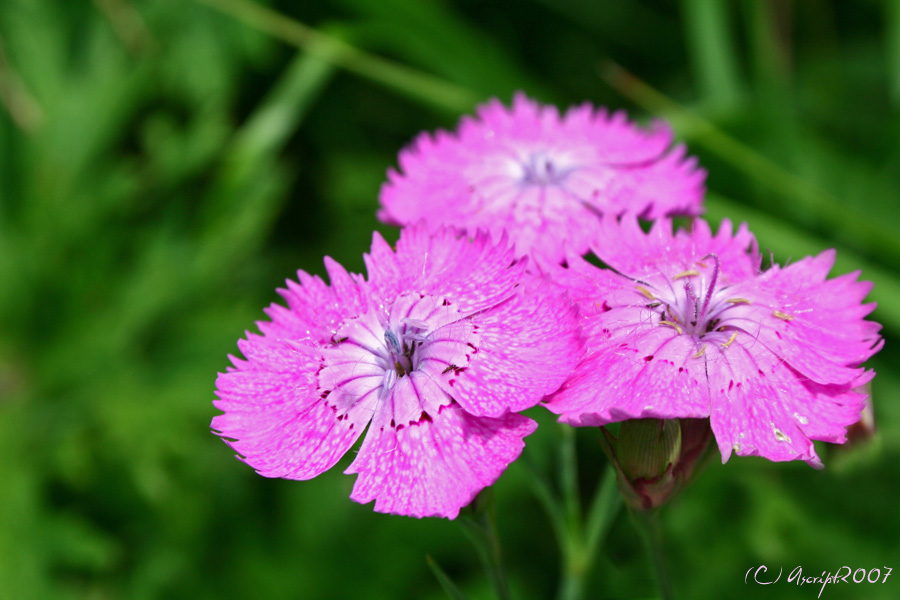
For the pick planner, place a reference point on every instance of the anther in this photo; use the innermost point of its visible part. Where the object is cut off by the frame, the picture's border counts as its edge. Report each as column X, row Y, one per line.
column 699, row 352
column 392, row 341
column 672, row 324
column 647, row 294
column 689, row 273
column 738, row 301
column 784, row 316
column 730, row 340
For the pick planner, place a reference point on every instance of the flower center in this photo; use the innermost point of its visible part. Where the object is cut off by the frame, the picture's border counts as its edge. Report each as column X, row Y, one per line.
column 401, row 347
column 406, row 347
column 697, row 308
column 540, row 169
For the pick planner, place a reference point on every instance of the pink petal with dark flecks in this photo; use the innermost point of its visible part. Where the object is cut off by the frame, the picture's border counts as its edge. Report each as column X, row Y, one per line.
column 436, row 466
column 526, row 347
column 314, row 308
column 273, row 417
column 472, row 274
column 625, row 247
column 449, row 349
column 794, row 314
column 749, row 415
column 824, row 412
column 637, row 372
column 412, row 396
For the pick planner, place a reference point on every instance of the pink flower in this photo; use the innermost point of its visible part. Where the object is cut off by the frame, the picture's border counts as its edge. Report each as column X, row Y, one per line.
column 435, row 353
column 542, row 177
column 686, row 326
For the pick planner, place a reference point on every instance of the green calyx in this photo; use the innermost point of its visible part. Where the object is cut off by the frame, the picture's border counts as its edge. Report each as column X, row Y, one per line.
column 648, row 447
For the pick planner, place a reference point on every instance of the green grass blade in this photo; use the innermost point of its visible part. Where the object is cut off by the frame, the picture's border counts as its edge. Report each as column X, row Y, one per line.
column 892, row 39
column 446, row 583
column 711, row 49
column 435, row 37
column 277, row 119
column 410, row 82
column 800, row 195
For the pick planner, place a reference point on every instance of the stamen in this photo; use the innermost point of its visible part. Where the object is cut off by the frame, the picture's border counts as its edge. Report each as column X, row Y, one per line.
column 387, row 383
column 699, row 352
column 392, row 341
column 738, row 301
column 730, row 340
column 672, row 324
column 647, row 294
column 784, row 316
column 690, row 273
column 414, row 323
column 694, row 301
column 402, row 350
column 701, row 264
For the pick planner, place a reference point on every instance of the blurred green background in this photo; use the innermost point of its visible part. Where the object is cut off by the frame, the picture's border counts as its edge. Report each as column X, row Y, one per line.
column 166, row 164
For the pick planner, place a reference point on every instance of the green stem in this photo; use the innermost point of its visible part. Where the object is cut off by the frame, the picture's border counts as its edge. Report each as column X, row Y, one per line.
column 649, row 526
column 444, row 580
column 543, row 491
column 411, row 82
column 583, row 538
column 574, row 567
column 480, row 527
column 606, row 505
column 568, row 469
column 571, row 586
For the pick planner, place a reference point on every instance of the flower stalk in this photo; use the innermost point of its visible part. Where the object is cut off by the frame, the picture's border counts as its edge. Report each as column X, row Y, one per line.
column 479, row 521
column 649, row 526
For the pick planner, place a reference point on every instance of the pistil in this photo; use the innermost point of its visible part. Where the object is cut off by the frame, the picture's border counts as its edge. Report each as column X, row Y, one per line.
column 712, row 283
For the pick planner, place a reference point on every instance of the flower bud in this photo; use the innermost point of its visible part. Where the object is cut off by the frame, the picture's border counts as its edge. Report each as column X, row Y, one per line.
column 863, row 442
column 648, row 447
column 654, row 458
column 864, row 429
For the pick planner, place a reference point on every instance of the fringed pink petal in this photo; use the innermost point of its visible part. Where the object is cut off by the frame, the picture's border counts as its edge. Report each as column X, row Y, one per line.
column 436, row 466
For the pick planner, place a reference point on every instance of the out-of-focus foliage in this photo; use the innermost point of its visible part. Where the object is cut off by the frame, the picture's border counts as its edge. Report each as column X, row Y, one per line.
column 164, row 166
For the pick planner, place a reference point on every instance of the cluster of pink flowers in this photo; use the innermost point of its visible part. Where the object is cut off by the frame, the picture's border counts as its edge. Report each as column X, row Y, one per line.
column 487, row 307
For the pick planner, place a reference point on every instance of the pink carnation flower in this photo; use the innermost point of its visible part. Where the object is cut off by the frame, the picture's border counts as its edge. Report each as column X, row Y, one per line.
column 435, row 353
column 542, row 177
column 686, row 326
